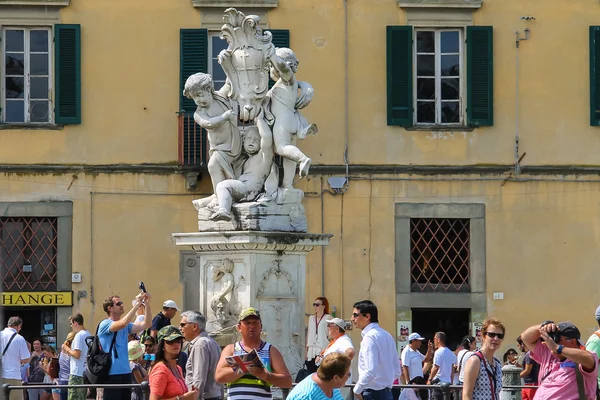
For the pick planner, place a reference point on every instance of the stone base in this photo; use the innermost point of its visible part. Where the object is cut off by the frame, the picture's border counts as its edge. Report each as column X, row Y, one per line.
column 231, row 271
column 285, row 214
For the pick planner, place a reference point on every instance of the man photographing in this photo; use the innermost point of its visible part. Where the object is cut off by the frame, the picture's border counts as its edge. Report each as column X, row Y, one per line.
column 567, row 370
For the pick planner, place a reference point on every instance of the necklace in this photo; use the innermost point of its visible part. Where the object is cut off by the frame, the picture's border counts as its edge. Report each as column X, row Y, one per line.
column 318, row 321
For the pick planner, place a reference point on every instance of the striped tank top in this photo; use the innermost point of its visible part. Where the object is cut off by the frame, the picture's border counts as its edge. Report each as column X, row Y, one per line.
column 248, row 387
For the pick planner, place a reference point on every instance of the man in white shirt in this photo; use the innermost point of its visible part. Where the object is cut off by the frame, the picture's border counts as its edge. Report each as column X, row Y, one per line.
column 412, row 359
column 78, row 352
column 378, row 362
column 15, row 353
column 443, row 365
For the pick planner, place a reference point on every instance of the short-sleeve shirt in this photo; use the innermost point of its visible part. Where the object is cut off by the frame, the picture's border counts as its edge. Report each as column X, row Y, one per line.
column 164, row 383
column 159, row 322
column 593, row 345
column 532, row 378
column 119, row 355
column 17, row 351
column 341, row 344
column 560, row 382
column 444, row 358
column 462, row 358
column 309, row 390
column 413, row 360
column 78, row 365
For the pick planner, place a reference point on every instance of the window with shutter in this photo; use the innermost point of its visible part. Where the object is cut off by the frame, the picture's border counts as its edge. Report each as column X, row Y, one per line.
column 399, row 76
column 67, row 49
column 480, row 77
column 595, row 75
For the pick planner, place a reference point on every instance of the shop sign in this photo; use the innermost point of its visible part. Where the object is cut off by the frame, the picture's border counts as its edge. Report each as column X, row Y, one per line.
column 36, row 299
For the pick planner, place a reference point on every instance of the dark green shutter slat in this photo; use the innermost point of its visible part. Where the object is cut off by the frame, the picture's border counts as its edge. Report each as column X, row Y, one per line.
column 193, row 58
column 281, row 38
column 595, row 75
column 399, row 75
column 480, row 76
column 67, row 50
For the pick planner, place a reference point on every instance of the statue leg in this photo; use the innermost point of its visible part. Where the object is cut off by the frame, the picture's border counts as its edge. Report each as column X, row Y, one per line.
column 216, row 172
column 227, row 192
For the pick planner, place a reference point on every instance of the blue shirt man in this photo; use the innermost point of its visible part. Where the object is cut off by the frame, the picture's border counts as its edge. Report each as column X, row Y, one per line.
column 118, row 323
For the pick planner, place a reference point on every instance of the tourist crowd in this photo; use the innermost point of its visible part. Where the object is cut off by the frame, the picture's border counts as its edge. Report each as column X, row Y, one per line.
column 185, row 363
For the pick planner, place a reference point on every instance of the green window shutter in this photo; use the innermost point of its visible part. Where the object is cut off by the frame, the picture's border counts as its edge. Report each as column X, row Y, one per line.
column 480, row 76
column 595, row 75
column 281, row 38
column 193, row 59
column 399, row 75
column 67, row 69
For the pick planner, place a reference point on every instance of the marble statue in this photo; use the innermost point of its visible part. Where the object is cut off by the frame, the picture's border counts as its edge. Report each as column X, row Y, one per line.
column 247, row 125
column 224, row 304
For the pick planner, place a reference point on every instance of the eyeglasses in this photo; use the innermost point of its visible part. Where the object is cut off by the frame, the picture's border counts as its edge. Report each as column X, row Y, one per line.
column 120, row 303
column 148, row 345
column 317, row 304
column 356, row 315
column 494, row 335
column 183, row 324
column 171, row 342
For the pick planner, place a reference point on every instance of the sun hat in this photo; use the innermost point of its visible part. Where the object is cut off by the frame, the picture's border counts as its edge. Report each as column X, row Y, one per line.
column 170, row 304
column 134, row 350
column 339, row 322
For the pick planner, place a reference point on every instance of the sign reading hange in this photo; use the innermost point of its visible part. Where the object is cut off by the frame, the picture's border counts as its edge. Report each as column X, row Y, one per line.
column 37, row 299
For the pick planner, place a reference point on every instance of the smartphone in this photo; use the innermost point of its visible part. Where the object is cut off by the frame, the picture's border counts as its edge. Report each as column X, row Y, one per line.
column 142, row 287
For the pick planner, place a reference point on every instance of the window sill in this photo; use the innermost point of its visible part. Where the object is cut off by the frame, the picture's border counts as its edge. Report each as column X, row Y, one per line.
column 440, row 3
column 50, row 127
column 61, row 3
column 440, row 128
column 234, row 3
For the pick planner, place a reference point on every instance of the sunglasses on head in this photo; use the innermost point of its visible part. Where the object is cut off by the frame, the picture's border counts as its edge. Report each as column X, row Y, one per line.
column 494, row 335
column 317, row 304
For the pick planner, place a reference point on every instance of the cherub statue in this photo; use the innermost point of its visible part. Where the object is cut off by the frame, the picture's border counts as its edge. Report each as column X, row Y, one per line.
column 258, row 145
column 215, row 114
column 284, row 105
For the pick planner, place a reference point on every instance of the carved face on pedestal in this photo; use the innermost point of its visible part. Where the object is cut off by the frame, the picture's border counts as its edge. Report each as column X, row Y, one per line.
column 252, row 141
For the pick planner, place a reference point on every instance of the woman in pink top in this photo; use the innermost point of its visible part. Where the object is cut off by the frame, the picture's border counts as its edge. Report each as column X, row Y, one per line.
column 167, row 381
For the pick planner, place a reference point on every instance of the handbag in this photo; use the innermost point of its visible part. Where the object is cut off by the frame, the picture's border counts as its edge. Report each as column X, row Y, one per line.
column 303, row 373
column 53, row 368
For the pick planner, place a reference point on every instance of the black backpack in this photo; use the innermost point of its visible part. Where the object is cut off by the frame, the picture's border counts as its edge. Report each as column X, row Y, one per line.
column 98, row 361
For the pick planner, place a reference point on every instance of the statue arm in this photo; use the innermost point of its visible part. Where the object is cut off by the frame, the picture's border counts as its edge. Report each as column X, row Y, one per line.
column 306, row 95
column 212, row 123
column 266, row 136
column 285, row 72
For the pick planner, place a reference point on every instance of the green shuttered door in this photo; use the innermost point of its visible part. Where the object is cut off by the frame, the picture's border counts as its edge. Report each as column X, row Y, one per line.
column 193, row 59
column 399, row 75
column 67, row 50
column 595, row 75
column 480, row 77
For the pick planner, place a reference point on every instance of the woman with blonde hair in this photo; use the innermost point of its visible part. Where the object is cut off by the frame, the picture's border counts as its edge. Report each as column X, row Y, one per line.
column 64, row 363
column 483, row 372
column 316, row 339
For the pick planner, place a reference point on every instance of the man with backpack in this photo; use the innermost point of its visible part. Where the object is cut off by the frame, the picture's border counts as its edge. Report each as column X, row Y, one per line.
column 113, row 333
column 14, row 352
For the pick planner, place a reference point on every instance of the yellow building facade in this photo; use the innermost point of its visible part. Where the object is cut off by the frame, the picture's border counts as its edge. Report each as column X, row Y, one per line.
column 470, row 169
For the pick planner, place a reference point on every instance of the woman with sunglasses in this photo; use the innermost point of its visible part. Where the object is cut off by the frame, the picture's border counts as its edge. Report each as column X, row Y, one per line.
column 167, row 381
column 483, row 372
column 316, row 340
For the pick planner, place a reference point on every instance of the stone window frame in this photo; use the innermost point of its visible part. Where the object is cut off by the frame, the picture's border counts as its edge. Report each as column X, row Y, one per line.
column 476, row 300
column 63, row 212
column 470, row 4
column 59, row 3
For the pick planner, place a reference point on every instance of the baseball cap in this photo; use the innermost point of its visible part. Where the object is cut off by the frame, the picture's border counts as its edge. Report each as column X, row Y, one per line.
column 169, row 333
column 598, row 313
column 249, row 312
column 134, row 350
column 415, row 336
column 568, row 330
column 170, row 304
column 339, row 322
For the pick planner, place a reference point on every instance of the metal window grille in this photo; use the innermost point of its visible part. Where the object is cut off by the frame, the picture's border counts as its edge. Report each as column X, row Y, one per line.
column 28, row 241
column 439, row 253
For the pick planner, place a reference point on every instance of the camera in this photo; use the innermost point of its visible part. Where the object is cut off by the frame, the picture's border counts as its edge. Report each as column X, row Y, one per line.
column 142, row 287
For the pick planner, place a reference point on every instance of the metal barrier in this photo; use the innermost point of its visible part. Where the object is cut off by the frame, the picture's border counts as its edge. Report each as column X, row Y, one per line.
column 144, row 386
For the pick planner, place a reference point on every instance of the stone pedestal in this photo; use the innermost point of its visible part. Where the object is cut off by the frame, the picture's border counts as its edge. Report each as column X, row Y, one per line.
column 511, row 377
column 266, row 270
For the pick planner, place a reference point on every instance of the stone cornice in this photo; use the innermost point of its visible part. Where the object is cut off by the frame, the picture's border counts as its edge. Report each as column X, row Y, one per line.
column 247, row 240
column 235, row 3
column 440, row 3
column 60, row 3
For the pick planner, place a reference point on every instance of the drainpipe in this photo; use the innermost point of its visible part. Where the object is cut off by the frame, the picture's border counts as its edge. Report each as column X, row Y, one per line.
column 518, row 40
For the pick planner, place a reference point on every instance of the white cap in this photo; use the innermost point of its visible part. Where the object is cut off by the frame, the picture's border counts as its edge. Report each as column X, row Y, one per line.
column 337, row 321
column 415, row 336
column 170, row 304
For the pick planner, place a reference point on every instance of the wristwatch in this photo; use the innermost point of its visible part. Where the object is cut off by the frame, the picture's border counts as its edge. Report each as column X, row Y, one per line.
column 559, row 349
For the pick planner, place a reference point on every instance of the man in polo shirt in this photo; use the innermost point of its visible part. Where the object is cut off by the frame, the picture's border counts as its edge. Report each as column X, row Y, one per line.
column 118, row 323
column 412, row 359
column 15, row 354
column 164, row 317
